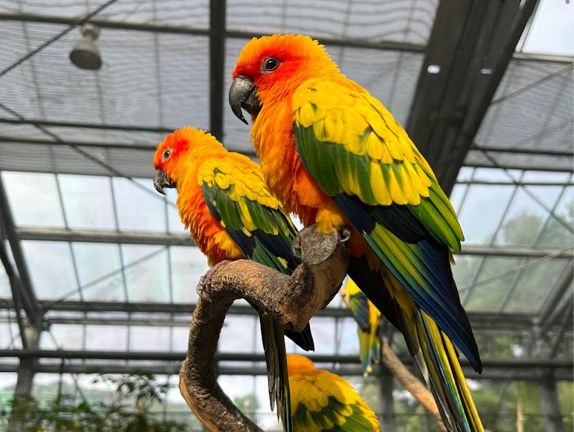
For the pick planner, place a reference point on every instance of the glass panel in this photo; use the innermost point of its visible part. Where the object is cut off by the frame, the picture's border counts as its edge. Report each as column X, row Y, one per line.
column 88, row 201
column 179, row 337
column 146, row 274
column 5, row 290
column 496, row 175
column 535, row 284
column 51, row 269
column 33, row 198
column 525, row 217
column 492, row 284
column 323, row 329
column 239, row 334
column 465, row 173
column 242, row 390
column 9, row 335
column 457, row 195
column 173, row 220
column 139, row 210
column 546, row 177
column 188, row 264
column 482, row 210
column 555, row 234
column 558, row 17
column 100, row 271
column 66, row 336
column 347, row 340
column 106, row 337
column 464, row 271
column 149, row 338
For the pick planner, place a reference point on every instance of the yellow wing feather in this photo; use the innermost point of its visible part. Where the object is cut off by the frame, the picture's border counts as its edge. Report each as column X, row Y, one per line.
column 363, row 126
column 322, row 401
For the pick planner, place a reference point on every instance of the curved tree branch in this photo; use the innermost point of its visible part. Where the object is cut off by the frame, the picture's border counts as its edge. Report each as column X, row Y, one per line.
column 292, row 300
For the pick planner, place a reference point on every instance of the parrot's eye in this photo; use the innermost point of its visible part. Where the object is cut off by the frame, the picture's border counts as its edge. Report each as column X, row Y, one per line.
column 166, row 154
column 269, row 64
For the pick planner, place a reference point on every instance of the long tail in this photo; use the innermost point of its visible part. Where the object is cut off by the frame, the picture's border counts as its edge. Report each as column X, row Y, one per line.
column 438, row 361
column 431, row 348
column 275, row 357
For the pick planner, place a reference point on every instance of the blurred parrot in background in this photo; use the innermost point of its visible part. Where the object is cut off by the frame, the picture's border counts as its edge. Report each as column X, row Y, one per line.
column 333, row 154
column 223, row 200
column 324, row 402
column 369, row 324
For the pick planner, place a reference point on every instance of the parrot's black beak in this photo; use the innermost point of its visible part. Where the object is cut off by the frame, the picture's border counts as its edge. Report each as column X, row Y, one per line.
column 161, row 180
column 243, row 94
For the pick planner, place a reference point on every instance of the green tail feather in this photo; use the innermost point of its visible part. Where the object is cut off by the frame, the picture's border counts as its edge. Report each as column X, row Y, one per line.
column 276, row 358
column 437, row 359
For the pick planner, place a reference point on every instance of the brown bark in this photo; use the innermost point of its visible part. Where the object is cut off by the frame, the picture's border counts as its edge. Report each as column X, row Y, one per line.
column 410, row 382
column 292, row 300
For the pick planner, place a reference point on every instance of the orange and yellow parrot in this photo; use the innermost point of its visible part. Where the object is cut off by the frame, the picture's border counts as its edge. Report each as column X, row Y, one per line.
column 324, row 402
column 223, row 200
column 333, row 154
column 369, row 324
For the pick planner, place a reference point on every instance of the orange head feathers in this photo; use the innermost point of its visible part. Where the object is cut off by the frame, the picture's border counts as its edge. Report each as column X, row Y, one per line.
column 179, row 149
column 277, row 63
column 298, row 363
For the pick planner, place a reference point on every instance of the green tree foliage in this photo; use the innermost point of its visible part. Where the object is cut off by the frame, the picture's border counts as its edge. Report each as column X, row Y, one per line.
column 130, row 410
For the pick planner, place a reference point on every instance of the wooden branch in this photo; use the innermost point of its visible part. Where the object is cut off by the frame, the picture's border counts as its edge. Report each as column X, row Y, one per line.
column 410, row 382
column 292, row 300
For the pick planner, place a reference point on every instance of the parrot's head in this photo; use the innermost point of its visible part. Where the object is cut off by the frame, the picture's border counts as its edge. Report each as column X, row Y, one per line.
column 177, row 155
column 271, row 67
column 299, row 363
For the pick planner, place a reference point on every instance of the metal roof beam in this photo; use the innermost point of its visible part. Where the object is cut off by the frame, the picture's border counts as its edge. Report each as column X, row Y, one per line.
column 16, row 289
column 549, row 311
column 160, row 238
column 515, row 363
column 85, row 125
column 102, row 236
column 99, row 144
column 194, row 31
column 27, row 295
column 469, row 49
column 527, row 151
column 173, row 368
column 534, row 166
column 217, row 13
column 499, row 323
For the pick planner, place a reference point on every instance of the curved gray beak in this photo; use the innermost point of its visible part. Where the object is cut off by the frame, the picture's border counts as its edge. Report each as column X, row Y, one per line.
column 243, row 95
column 161, row 180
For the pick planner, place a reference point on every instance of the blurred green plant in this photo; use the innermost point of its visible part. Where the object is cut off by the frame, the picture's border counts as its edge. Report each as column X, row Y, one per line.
column 129, row 410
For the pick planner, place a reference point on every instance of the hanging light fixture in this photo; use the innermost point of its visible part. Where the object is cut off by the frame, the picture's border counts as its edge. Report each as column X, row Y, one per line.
column 85, row 53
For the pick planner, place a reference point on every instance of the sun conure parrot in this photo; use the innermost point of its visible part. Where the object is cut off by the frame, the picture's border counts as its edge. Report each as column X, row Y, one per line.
column 223, row 200
column 333, row 154
column 369, row 324
column 324, row 402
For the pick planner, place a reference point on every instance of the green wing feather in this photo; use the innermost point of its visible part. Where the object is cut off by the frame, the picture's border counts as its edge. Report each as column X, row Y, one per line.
column 236, row 195
column 362, row 158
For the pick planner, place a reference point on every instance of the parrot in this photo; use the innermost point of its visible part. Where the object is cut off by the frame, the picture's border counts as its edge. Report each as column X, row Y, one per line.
column 336, row 156
column 224, row 201
column 324, row 402
column 369, row 324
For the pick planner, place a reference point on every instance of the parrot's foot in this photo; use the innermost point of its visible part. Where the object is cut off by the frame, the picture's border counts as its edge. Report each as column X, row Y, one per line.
column 292, row 300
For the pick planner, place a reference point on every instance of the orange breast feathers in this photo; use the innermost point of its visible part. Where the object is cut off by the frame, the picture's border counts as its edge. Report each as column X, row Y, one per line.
column 207, row 232
column 287, row 177
column 272, row 134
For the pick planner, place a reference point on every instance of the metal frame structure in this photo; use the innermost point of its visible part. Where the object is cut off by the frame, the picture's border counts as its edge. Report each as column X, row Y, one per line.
column 471, row 43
